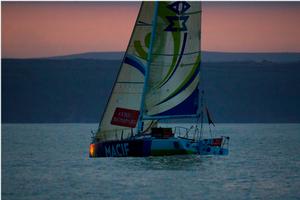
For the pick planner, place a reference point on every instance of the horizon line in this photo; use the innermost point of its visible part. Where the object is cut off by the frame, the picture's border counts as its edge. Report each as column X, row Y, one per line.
column 208, row 51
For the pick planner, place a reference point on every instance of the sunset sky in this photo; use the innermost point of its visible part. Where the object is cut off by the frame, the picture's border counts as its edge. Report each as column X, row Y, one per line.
column 39, row 29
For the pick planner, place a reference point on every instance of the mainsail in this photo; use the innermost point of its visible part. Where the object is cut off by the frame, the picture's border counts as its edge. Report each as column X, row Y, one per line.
column 159, row 75
column 172, row 86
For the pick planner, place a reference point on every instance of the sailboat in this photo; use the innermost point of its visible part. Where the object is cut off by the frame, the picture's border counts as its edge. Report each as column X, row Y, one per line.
column 158, row 80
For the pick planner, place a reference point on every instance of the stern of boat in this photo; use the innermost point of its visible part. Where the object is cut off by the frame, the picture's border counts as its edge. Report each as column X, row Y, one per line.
column 214, row 146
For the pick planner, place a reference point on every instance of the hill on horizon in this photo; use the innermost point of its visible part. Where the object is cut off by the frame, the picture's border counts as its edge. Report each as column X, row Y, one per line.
column 207, row 56
column 76, row 90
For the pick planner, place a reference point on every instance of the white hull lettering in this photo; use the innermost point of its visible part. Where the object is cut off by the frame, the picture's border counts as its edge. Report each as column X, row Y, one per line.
column 113, row 151
column 116, row 150
column 107, row 151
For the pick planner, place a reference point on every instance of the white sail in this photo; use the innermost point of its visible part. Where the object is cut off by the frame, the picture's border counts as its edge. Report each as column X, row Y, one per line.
column 159, row 75
column 119, row 118
column 172, row 86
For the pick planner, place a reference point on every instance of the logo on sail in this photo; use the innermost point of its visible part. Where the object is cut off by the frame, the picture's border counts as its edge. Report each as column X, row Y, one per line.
column 177, row 23
column 125, row 117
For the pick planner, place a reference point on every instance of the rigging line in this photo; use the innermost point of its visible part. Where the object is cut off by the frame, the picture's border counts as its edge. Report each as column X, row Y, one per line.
column 170, row 116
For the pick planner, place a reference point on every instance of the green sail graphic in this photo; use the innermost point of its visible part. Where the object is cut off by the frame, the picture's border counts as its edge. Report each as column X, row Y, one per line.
column 174, row 69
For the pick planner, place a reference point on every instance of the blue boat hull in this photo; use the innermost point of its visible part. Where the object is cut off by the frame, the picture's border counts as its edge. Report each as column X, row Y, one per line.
column 145, row 147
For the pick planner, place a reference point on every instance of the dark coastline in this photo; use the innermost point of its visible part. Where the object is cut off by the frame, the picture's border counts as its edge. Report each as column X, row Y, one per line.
column 75, row 90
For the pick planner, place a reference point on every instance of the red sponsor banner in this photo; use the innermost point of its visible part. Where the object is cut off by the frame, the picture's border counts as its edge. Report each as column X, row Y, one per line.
column 125, row 117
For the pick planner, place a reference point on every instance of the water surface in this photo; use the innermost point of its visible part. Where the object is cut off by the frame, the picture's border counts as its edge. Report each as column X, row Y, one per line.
column 50, row 161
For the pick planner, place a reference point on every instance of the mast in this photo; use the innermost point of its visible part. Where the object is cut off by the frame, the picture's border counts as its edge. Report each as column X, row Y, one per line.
column 149, row 57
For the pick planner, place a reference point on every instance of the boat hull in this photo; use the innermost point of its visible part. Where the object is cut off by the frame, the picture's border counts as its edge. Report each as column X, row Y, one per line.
column 145, row 147
column 123, row 148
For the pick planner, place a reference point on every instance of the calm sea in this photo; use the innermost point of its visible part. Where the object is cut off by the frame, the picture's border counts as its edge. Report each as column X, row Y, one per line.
column 50, row 161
